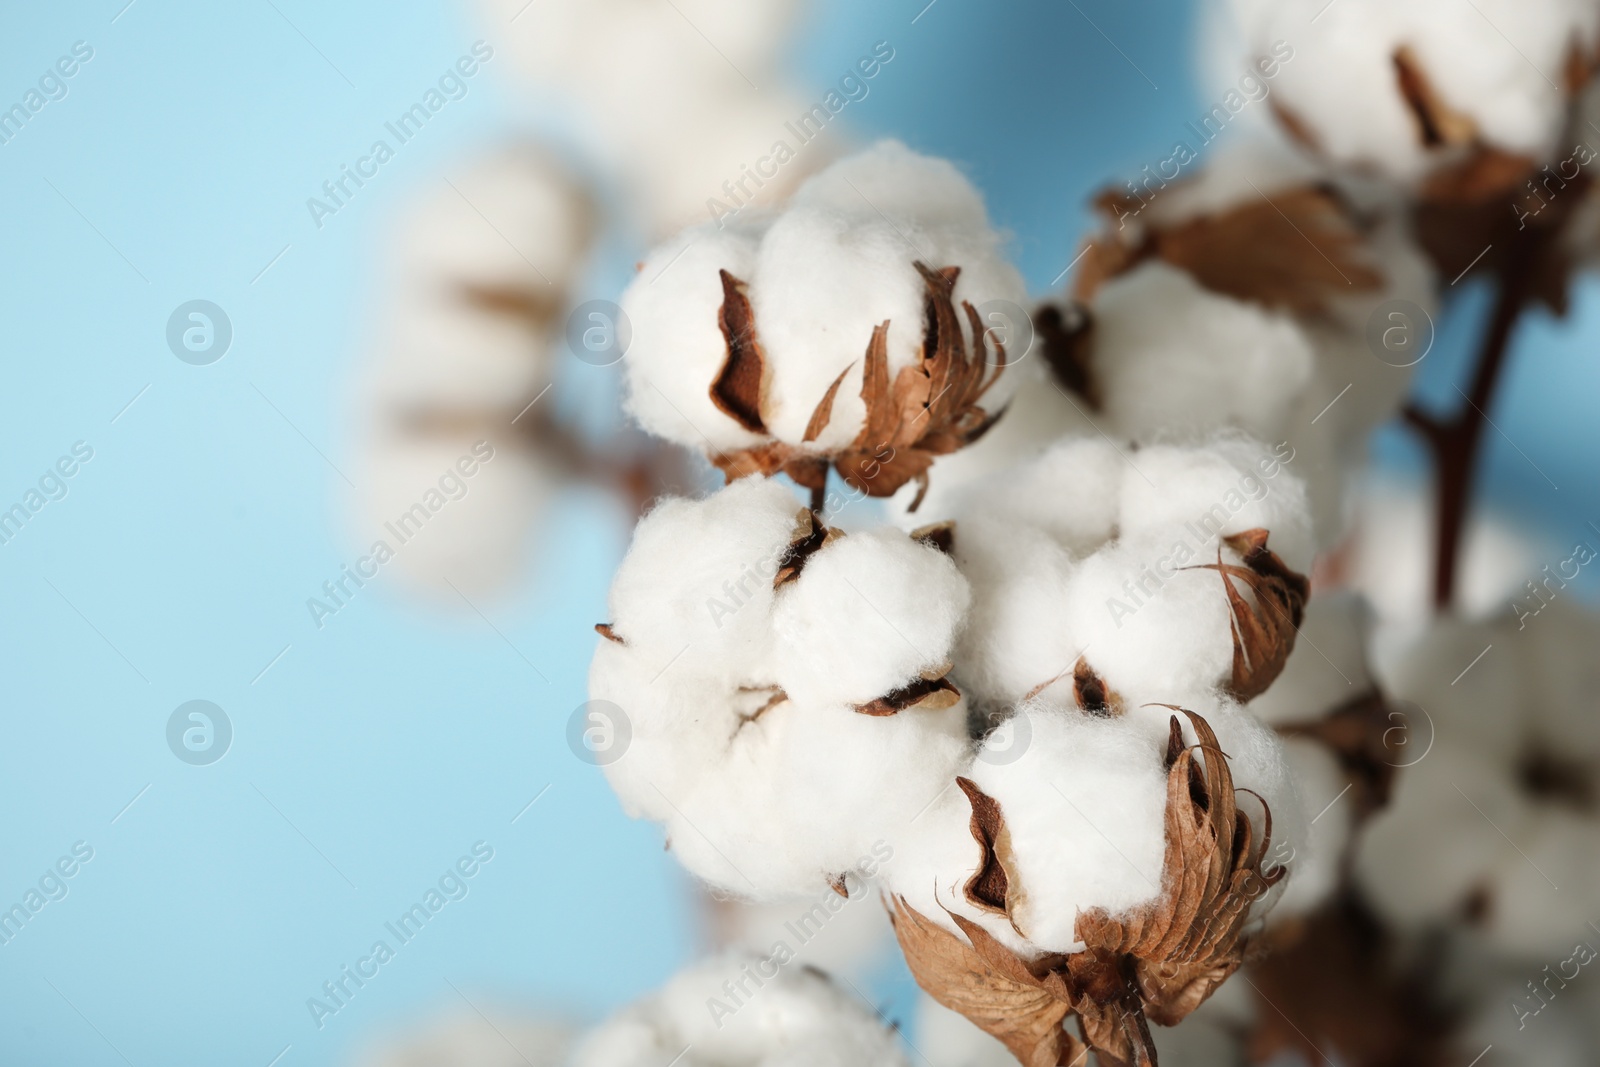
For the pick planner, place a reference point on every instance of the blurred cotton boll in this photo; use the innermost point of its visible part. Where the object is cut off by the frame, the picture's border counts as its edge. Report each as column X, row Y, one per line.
column 676, row 99
column 478, row 278
column 745, row 1010
column 1409, row 89
column 468, row 1039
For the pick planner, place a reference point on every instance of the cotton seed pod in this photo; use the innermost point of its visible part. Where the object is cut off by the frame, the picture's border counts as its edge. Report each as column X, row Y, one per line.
column 1157, row 570
column 871, row 615
column 1414, row 92
column 1497, row 827
column 1163, row 938
column 840, row 331
column 744, row 1010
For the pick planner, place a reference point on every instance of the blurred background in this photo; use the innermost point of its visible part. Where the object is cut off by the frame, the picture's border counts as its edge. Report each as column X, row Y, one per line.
column 216, row 486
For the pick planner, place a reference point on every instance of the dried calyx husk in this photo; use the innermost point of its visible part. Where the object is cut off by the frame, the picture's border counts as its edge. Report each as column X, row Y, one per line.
column 1155, row 963
column 928, row 409
column 1294, row 251
column 1264, row 631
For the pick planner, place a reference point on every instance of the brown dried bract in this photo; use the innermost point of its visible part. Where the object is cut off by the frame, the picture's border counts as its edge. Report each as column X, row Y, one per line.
column 1157, row 962
column 929, row 408
column 1263, row 632
column 940, row 535
column 924, row 694
column 1186, row 943
column 1438, row 124
column 991, row 986
column 1295, row 249
column 1092, row 693
column 1358, row 733
column 989, row 887
column 810, row 537
column 1066, row 340
column 609, row 632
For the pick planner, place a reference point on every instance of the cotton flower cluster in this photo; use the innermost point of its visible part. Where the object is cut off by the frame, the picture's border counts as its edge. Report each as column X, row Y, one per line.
column 842, row 330
column 744, row 1010
column 1240, row 298
column 1497, row 826
column 477, row 280
column 784, row 684
column 1414, row 90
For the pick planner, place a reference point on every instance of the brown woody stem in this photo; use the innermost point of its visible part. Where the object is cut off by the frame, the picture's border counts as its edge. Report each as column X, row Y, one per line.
column 1454, row 443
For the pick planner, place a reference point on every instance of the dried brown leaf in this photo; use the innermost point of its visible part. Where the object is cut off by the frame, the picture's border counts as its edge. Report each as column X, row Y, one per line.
column 924, row 694
column 739, row 387
column 607, row 631
column 1264, row 632
column 810, row 537
column 940, row 535
column 990, row 986
column 1438, row 124
column 1092, row 693
column 989, row 886
column 1190, row 939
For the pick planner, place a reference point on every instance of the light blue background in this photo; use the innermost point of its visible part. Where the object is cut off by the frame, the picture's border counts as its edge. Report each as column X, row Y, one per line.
column 377, row 750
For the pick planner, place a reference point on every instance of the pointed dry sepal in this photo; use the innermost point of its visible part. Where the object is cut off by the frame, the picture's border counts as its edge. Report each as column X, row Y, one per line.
column 1264, row 632
column 926, row 410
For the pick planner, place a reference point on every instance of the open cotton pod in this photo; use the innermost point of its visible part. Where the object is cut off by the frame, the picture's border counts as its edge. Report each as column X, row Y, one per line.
column 1171, row 570
column 1113, row 871
column 1419, row 93
column 744, row 1010
column 785, row 686
column 1497, row 829
column 1241, row 298
column 475, row 286
column 841, row 331
column 680, row 116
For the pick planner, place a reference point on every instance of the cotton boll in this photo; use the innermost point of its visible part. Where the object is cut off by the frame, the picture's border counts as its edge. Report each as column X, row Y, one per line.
column 833, row 266
column 1085, row 806
column 820, row 277
column 1565, row 674
column 869, row 613
column 1479, row 716
column 1328, row 666
column 1260, row 769
column 422, row 517
column 1170, row 357
column 744, row 1010
column 804, row 792
column 1069, row 492
column 934, row 857
column 468, row 1039
column 853, row 942
column 1223, row 487
column 1148, row 620
column 1420, row 859
column 477, row 275
column 697, row 580
column 1341, row 85
column 1017, row 636
column 677, row 345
